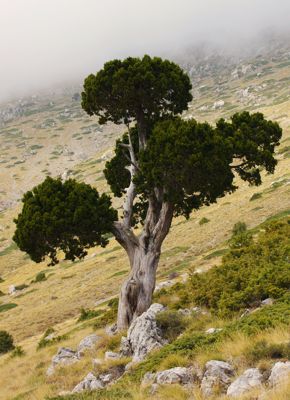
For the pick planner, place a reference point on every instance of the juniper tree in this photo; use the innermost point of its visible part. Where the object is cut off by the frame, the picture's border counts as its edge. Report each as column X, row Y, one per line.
column 163, row 167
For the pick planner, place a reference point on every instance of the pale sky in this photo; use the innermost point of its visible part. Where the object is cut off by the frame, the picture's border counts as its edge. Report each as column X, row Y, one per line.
column 45, row 42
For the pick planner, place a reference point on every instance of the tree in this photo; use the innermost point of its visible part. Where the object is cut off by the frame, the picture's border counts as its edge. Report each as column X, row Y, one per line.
column 163, row 167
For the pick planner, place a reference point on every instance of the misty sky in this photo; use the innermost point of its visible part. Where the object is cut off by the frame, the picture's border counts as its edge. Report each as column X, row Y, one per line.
column 46, row 42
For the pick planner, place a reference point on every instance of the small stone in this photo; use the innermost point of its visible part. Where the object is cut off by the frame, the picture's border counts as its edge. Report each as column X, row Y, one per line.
column 210, row 331
column 111, row 330
column 267, row 302
column 110, row 355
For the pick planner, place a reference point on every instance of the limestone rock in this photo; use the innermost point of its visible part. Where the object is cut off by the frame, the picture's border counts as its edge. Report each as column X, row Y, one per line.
column 217, row 376
column 111, row 355
column 267, row 302
column 210, row 331
column 164, row 284
column 11, row 290
column 249, row 379
column 148, row 379
column 64, row 356
column 88, row 342
column 90, row 382
column 143, row 335
column 279, row 372
column 111, row 330
column 175, row 375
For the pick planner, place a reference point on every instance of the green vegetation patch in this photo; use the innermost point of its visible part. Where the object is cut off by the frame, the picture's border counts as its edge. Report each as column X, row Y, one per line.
column 6, row 307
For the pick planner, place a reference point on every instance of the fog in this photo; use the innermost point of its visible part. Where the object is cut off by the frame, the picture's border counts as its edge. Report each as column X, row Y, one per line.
column 49, row 42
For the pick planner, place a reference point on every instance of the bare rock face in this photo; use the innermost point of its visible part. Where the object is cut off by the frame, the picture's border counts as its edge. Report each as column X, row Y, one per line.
column 175, row 375
column 217, row 376
column 88, row 342
column 279, row 373
column 143, row 335
column 251, row 378
column 64, row 356
column 90, row 382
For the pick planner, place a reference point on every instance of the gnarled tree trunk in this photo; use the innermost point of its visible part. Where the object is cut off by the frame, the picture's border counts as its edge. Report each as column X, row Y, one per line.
column 137, row 290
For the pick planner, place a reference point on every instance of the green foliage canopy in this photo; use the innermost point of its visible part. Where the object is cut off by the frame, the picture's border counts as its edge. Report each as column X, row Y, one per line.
column 128, row 90
column 67, row 216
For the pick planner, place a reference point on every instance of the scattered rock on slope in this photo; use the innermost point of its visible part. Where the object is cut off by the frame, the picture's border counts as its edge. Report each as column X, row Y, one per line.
column 279, row 372
column 249, row 379
column 64, row 356
column 217, row 375
column 88, row 342
column 143, row 335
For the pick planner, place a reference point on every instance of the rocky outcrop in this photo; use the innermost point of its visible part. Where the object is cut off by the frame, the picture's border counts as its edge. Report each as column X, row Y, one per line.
column 90, row 382
column 87, row 343
column 279, row 373
column 143, row 335
column 251, row 378
column 217, row 376
column 64, row 356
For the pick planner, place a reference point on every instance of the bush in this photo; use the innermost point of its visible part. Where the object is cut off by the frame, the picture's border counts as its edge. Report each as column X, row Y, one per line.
column 263, row 350
column 40, row 277
column 6, row 342
column 238, row 228
column 21, row 287
column 171, row 323
column 89, row 314
column 203, row 221
column 250, row 272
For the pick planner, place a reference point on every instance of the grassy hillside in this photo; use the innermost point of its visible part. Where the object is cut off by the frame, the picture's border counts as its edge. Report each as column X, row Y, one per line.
column 56, row 136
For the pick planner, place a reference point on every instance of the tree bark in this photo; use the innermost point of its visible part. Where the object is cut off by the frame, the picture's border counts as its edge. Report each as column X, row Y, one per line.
column 137, row 290
column 144, row 253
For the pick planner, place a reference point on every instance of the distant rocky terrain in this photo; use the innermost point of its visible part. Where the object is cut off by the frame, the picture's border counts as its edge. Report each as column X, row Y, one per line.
column 62, row 317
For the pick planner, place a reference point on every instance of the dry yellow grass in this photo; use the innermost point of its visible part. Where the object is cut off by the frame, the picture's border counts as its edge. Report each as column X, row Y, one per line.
column 56, row 302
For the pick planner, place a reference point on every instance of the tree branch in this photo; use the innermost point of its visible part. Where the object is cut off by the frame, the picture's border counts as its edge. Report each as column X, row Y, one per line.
column 131, row 190
column 126, row 238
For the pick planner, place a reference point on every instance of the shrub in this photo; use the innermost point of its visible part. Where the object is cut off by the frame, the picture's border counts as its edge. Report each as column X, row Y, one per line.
column 171, row 323
column 238, row 228
column 40, row 277
column 249, row 273
column 21, row 287
column 89, row 314
column 1, row 293
column 263, row 350
column 203, row 221
column 17, row 352
column 6, row 342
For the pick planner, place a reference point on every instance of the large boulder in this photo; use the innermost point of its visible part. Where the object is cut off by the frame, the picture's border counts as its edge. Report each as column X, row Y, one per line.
column 279, row 373
column 90, row 382
column 217, row 377
column 64, row 356
column 87, row 343
column 251, row 378
column 143, row 335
